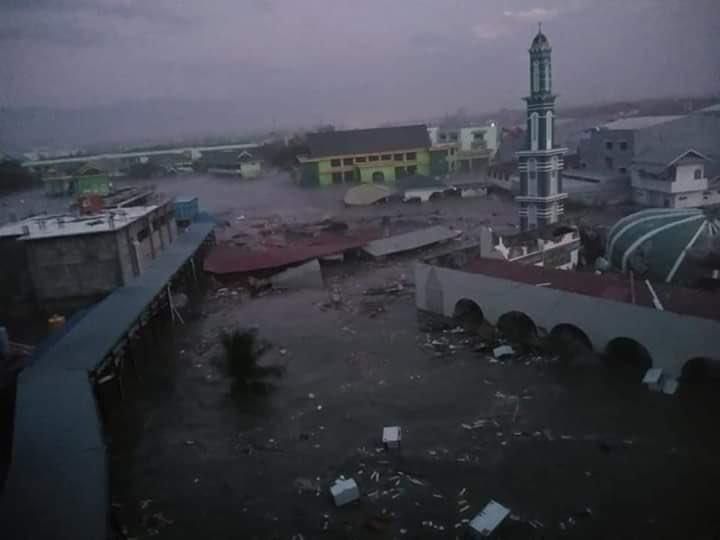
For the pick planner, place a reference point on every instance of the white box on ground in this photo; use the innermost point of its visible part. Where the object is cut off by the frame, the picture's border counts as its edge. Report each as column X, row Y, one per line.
column 488, row 519
column 344, row 491
column 392, row 436
column 503, row 350
column 654, row 379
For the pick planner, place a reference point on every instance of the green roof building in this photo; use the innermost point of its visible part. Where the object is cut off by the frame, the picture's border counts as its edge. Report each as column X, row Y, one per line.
column 377, row 155
column 656, row 243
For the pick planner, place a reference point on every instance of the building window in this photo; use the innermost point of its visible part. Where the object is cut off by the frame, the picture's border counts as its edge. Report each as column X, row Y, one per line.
column 534, row 131
column 442, row 137
column 398, row 157
column 608, row 145
column 360, row 159
column 411, row 156
column 337, row 178
column 698, row 174
column 548, row 74
column 548, row 130
column 623, row 145
column 412, row 169
column 622, row 170
column 400, row 172
column 142, row 235
column 374, row 158
column 532, row 178
column 334, row 162
column 349, row 176
column 386, row 157
column 348, row 161
column 454, row 137
column 535, row 76
column 682, row 198
column 609, row 162
column 553, row 182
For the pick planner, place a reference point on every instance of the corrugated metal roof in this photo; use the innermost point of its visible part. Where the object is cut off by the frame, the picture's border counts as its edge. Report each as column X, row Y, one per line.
column 228, row 259
column 410, row 241
column 367, row 141
column 639, row 122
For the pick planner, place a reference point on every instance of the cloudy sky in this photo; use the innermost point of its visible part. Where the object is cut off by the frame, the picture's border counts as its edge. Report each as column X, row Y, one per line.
column 351, row 61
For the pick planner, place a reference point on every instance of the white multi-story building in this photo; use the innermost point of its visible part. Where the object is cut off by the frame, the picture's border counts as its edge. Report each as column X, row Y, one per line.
column 472, row 147
column 668, row 178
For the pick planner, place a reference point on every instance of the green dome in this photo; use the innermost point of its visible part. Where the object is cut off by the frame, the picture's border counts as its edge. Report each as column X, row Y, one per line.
column 657, row 241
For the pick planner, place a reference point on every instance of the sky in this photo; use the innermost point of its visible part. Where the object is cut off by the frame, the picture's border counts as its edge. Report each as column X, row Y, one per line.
column 351, row 62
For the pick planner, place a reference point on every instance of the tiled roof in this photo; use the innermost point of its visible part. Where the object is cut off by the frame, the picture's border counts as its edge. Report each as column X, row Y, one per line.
column 367, row 141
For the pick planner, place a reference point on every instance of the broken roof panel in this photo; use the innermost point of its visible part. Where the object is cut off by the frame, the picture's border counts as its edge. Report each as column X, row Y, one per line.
column 367, row 194
column 410, row 241
column 228, row 259
column 367, row 141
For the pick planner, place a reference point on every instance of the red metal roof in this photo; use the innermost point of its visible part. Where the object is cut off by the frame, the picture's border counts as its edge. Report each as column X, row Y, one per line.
column 229, row 259
column 704, row 304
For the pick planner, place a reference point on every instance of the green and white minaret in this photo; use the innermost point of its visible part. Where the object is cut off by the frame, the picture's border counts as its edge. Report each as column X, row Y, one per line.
column 541, row 163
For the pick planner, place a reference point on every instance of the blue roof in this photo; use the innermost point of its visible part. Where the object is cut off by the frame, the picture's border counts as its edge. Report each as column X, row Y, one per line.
column 57, row 486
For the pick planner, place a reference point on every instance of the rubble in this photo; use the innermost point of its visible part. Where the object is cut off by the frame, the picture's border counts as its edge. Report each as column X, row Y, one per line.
column 488, row 519
column 502, row 351
column 391, row 436
column 344, row 491
column 305, row 276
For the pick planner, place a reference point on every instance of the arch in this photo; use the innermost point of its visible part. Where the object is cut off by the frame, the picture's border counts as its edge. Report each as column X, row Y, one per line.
column 701, row 370
column 468, row 314
column 378, row 177
column 569, row 341
column 623, row 352
column 517, row 326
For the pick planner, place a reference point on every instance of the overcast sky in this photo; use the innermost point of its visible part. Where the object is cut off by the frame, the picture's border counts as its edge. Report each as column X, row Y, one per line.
column 353, row 62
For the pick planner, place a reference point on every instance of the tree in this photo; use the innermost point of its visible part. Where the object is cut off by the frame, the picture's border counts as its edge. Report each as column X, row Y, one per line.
column 14, row 177
column 242, row 353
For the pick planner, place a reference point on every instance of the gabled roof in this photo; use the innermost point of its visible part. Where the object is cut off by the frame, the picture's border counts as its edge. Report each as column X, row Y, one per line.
column 367, row 141
column 667, row 156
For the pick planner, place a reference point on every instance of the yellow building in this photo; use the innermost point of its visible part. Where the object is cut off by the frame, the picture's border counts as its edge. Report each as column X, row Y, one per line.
column 377, row 155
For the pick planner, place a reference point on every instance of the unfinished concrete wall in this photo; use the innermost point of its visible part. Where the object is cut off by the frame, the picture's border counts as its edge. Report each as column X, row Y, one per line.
column 670, row 338
column 74, row 267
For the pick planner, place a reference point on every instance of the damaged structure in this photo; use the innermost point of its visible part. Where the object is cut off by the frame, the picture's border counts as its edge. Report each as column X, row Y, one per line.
column 76, row 260
column 603, row 312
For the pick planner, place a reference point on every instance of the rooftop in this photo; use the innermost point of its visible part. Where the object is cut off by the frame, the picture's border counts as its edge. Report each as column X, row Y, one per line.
column 638, row 122
column 613, row 287
column 57, row 225
column 367, row 141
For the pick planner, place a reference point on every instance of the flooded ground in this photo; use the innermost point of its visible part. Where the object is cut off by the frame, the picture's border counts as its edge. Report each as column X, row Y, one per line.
column 584, row 454
column 576, row 451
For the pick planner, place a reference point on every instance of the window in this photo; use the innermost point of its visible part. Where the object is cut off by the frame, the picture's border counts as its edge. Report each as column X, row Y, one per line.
column 386, row 157
column 374, row 158
column 452, row 151
column 400, row 172
column 410, row 156
column 398, row 157
column 334, row 162
column 337, row 178
column 609, row 162
column 142, row 234
column 454, row 137
column 532, row 178
column 623, row 145
column 534, row 131
column 535, row 76
column 442, row 137
column 412, row 169
column 349, row 176
column 479, row 135
column 548, row 75
column 682, row 198
column 348, row 161
column 548, row 130
column 622, row 170
column 608, row 145
column 360, row 159
column 698, row 174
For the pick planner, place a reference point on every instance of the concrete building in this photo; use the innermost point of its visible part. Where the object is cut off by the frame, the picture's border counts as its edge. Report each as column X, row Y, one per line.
column 551, row 247
column 75, row 260
column 242, row 164
column 89, row 179
column 472, row 148
column 540, row 164
column 667, row 178
column 377, row 155
column 605, row 313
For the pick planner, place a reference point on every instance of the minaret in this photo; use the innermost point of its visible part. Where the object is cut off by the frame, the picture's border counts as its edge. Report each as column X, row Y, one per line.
column 541, row 163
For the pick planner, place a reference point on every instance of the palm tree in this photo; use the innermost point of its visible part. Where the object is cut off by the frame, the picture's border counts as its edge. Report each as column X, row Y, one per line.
column 243, row 351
